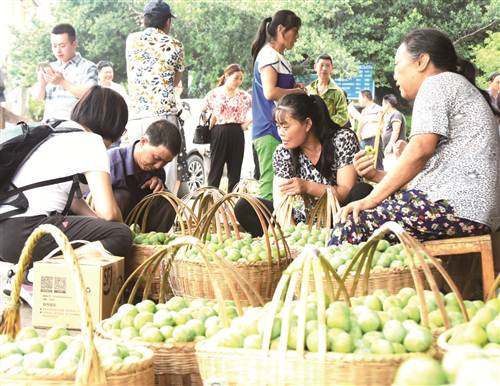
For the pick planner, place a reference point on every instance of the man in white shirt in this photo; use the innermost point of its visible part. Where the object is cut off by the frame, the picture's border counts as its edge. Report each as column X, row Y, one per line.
column 63, row 82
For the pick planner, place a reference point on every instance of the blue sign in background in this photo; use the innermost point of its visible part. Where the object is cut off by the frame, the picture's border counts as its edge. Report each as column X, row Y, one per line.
column 363, row 81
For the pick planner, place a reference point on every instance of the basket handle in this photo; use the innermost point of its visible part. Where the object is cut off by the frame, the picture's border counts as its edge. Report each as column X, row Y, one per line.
column 168, row 254
column 89, row 369
column 416, row 253
column 324, row 211
column 184, row 214
column 308, row 264
column 284, row 212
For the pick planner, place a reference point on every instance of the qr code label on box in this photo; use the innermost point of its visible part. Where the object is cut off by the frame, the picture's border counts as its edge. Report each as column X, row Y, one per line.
column 53, row 284
column 60, row 285
column 47, row 284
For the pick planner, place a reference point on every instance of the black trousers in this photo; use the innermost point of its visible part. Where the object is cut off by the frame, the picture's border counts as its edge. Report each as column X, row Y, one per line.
column 115, row 237
column 248, row 219
column 161, row 215
column 227, row 145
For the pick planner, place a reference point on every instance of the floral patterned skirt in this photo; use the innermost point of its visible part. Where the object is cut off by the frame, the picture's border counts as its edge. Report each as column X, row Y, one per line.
column 412, row 209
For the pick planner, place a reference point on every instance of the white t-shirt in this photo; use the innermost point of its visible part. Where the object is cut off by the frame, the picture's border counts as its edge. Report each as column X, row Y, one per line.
column 61, row 155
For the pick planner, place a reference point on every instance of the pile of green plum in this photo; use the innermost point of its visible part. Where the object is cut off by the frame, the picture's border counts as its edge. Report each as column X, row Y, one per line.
column 300, row 235
column 176, row 321
column 378, row 324
column 242, row 250
column 468, row 366
column 405, row 306
column 349, row 330
column 153, row 238
column 482, row 330
column 340, row 256
column 385, row 256
column 59, row 350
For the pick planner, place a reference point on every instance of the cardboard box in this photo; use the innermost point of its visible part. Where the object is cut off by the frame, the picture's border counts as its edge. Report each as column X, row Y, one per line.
column 54, row 300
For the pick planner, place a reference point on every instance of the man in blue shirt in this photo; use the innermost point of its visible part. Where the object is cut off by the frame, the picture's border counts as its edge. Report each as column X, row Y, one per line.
column 138, row 170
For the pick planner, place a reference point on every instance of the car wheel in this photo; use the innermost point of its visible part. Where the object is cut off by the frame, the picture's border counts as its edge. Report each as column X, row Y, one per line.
column 196, row 172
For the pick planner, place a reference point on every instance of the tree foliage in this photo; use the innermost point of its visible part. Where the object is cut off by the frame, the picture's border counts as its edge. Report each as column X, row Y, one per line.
column 216, row 33
column 487, row 57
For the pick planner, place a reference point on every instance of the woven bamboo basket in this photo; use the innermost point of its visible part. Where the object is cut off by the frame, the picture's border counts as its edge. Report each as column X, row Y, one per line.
column 189, row 278
column 185, row 223
column 287, row 367
column 390, row 279
column 320, row 216
column 89, row 371
column 175, row 363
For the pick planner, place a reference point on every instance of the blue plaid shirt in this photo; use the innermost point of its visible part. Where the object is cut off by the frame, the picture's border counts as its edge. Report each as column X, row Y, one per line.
column 58, row 101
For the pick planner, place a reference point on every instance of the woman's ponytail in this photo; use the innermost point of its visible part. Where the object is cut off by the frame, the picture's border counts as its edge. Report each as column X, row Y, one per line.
column 325, row 130
column 269, row 28
column 221, row 79
column 260, row 38
column 466, row 69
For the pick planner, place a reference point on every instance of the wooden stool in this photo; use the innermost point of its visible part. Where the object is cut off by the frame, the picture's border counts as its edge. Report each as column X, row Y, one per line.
column 463, row 245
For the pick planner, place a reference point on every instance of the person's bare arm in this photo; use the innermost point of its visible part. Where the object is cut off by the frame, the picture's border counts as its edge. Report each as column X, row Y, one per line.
column 412, row 161
column 396, row 128
column 105, row 206
column 346, row 178
column 271, row 91
column 38, row 90
column 363, row 164
column 58, row 79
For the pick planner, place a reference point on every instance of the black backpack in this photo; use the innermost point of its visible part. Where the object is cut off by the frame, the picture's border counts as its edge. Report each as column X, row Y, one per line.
column 14, row 153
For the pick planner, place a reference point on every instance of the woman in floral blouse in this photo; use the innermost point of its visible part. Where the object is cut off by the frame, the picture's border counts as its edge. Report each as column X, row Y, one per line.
column 230, row 109
column 315, row 154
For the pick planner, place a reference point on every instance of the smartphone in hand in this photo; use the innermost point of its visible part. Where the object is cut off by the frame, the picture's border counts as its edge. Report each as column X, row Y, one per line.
column 44, row 66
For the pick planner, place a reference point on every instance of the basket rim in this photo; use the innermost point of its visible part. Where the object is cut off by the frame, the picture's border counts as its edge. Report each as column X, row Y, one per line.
column 208, row 347
column 188, row 261
column 387, row 271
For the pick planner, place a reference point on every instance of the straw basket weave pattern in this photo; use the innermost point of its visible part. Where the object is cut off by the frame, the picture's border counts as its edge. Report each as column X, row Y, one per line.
column 189, row 278
column 243, row 367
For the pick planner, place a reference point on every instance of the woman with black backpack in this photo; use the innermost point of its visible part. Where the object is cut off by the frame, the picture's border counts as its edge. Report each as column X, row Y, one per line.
column 97, row 120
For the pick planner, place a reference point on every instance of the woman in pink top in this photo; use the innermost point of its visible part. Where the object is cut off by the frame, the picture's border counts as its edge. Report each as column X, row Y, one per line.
column 230, row 108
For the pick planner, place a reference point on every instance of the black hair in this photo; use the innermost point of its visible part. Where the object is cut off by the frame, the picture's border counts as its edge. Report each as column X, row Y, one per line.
column 103, row 111
column 301, row 107
column 492, row 77
column 163, row 132
column 442, row 54
column 269, row 27
column 65, row 28
column 156, row 20
column 391, row 99
column 367, row 94
column 324, row 57
column 104, row 63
